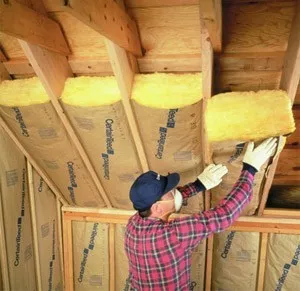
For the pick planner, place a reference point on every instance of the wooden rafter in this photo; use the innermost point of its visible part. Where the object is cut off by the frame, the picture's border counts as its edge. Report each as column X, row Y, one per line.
column 262, row 261
column 289, row 82
column 53, row 70
column 124, row 67
column 107, row 18
column 211, row 15
column 24, row 23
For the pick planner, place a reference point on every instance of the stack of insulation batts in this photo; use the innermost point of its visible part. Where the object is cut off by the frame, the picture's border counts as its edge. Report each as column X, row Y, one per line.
column 27, row 110
column 96, row 112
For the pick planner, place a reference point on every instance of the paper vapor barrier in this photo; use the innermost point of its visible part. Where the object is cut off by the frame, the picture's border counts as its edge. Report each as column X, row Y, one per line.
column 16, row 216
column 47, row 230
column 91, row 256
column 235, row 261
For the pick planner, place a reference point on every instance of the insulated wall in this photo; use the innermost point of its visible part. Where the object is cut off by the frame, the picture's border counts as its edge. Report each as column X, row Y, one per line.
column 282, row 263
column 235, row 261
column 47, row 235
column 28, row 112
column 16, row 216
column 91, row 256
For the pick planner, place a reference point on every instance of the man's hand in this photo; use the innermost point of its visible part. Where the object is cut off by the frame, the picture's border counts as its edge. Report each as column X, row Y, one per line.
column 212, row 175
column 258, row 156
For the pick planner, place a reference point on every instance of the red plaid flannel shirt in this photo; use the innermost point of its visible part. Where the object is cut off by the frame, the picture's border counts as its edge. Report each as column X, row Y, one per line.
column 159, row 253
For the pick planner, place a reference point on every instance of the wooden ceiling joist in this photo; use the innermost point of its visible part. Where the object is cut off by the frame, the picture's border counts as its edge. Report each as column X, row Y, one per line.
column 211, row 14
column 124, row 73
column 289, row 82
column 24, row 23
column 107, row 18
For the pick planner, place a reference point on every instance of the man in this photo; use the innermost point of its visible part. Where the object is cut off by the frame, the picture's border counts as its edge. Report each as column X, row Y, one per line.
column 158, row 250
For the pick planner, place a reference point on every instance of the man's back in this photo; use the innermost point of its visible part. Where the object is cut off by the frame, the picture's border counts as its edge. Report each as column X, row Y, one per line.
column 158, row 260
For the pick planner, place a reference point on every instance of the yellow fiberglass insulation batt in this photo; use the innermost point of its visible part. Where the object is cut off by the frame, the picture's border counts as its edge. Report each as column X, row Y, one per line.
column 94, row 107
column 249, row 115
column 27, row 110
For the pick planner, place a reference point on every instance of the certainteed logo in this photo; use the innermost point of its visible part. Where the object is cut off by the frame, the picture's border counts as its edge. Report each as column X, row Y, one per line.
column 228, row 244
column 73, row 183
column 163, row 133
column 238, row 151
column 86, row 252
column 109, row 147
column 287, row 268
column 19, row 225
column 20, row 120
column 51, row 263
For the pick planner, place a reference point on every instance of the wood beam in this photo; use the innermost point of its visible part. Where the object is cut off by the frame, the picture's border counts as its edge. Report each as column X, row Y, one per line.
column 291, row 67
column 124, row 73
column 289, row 82
column 240, row 62
column 211, row 15
column 124, row 66
column 283, row 213
column 68, row 255
column 262, row 261
column 34, row 226
column 207, row 60
column 53, row 70
column 60, row 237
column 243, row 223
column 112, row 275
column 24, row 23
column 107, row 18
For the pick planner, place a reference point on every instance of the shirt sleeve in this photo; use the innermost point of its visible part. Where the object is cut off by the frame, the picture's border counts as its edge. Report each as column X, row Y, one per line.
column 192, row 229
column 191, row 189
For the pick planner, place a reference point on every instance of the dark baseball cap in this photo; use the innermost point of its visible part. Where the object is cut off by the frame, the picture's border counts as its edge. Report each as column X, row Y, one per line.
column 150, row 187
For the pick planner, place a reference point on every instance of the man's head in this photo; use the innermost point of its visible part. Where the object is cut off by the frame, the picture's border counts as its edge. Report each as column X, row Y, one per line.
column 154, row 195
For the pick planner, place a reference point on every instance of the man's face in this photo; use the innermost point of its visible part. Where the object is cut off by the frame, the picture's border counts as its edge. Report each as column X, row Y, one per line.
column 167, row 201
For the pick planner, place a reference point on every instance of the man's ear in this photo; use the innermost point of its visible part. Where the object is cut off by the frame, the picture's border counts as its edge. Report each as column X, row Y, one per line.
column 155, row 208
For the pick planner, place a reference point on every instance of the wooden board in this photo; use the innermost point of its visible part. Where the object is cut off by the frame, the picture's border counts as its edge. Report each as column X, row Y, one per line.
column 83, row 40
column 262, row 27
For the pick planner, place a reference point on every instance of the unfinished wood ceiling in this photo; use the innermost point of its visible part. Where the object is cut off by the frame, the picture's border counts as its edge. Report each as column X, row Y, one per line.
column 254, row 42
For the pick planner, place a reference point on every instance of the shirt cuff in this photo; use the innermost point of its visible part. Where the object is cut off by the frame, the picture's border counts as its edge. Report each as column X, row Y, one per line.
column 199, row 186
column 249, row 168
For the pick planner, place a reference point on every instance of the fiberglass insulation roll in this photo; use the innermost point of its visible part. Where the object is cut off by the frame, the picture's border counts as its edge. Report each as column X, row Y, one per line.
column 28, row 112
column 235, row 261
column 282, row 263
column 167, row 107
column 95, row 109
column 249, row 115
column 47, row 235
column 16, row 216
column 91, row 256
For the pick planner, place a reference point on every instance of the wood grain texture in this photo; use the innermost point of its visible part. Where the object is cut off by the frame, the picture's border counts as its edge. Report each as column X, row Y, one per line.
column 263, row 27
column 83, row 40
column 168, row 30
column 211, row 15
column 24, row 23
column 291, row 66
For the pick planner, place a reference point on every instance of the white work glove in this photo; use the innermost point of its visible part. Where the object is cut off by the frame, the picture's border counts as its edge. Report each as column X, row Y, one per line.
column 258, row 156
column 212, row 175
